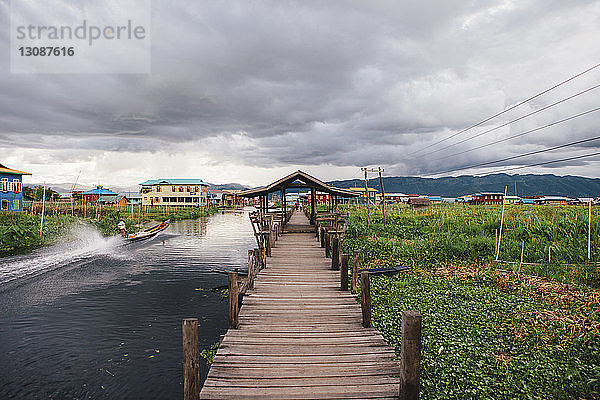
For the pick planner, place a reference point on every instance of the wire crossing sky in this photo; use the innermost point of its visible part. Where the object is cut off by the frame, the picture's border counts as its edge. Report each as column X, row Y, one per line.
column 247, row 92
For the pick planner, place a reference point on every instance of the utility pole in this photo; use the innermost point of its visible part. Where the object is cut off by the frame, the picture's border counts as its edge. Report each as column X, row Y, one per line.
column 380, row 170
column 367, row 197
column 43, row 208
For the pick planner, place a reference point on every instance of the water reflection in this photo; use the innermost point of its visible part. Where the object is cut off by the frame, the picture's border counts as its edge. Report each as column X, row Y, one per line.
column 190, row 228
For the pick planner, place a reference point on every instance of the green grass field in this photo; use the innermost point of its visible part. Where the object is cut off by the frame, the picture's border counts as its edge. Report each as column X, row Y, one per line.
column 490, row 330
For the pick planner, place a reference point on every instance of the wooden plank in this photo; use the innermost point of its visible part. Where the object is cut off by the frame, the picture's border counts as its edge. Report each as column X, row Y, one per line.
column 306, row 370
column 307, row 381
column 321, row 392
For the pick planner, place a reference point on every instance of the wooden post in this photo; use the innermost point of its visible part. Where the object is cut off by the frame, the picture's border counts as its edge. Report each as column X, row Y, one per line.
column 251, row 269
column 380, row 170
column 335, row 252
column 191, row 369
column 367, row 197
column 521, row 262
column 43, row 208
column 501, row 223
column 365, row 296
column 233, row 300
column 589, row 247
column 313, row 206
column 282, row 205
column 322, row 236
column 410, row 363
column 257, row 260
column 327, row 245
column 355, row 271
column 268, row 243
column 344, row 273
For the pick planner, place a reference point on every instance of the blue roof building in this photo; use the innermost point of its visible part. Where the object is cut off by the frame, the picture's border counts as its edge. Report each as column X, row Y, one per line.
column 11, row 189
column 100, row 191
column 93, row 195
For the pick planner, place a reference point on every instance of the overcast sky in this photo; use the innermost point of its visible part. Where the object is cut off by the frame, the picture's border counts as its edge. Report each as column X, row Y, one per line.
column 248, row 91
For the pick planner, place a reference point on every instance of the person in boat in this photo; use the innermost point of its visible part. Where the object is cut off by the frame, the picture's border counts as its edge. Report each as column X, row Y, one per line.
column 122, row 230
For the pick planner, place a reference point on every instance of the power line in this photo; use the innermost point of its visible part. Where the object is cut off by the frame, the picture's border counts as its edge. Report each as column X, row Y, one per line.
column 510, row 108
column 542, row 163
column 514, row 120
column 522, row 133
column 521, row 155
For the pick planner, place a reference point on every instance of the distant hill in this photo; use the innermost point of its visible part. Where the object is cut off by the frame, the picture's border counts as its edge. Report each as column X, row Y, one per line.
column 232, row 186
column 527, row 185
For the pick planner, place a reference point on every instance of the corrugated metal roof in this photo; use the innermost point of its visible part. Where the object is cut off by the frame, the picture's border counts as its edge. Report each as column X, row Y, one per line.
column 100, row 191
column 151, row 182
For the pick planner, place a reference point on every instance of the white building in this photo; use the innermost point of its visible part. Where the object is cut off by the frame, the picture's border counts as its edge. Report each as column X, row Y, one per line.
column 174, row 192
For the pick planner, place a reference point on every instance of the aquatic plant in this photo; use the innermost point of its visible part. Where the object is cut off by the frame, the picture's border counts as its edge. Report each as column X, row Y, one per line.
column 209, row 353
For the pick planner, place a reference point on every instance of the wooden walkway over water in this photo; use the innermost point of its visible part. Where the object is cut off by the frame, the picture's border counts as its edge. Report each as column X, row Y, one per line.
column 300, row 336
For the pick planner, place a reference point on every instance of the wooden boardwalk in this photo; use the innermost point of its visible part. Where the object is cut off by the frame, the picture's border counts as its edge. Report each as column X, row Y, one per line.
column 300, row 337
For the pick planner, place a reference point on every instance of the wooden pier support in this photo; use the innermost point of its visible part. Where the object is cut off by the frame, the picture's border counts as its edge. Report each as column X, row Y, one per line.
column 268, row 243
column 322, row 236
column 252, row 269
column 335, row 252
column 365, row 296
column 327, row 244
column 344, row 272
column 233, row 300
column 410, row 364
column 191, row 369
column 355, row 261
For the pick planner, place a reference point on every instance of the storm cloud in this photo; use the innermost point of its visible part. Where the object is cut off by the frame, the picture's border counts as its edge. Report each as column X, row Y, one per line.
column 330, row 85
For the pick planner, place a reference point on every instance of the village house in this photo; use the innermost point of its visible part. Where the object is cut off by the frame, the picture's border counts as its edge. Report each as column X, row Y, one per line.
column 11, row 189
column 373, row 194
column 398, row 197
column 113, row 200
column 215, row 197
column 418, row 202
column 435, row 199
column 231, row 198
column 487, row 198
column 92, row 196
column 174, row 192
column 552, row 200
column 513, row 200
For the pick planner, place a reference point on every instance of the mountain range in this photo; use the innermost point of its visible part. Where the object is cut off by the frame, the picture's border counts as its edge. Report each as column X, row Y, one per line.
column 526, row 185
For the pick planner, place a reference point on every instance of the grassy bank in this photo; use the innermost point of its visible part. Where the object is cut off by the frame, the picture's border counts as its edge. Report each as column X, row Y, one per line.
column 462, row 234
column 489, row 331
column 20, row 232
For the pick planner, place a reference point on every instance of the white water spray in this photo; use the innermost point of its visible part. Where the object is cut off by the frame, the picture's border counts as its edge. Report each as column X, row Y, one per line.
column 82, row 242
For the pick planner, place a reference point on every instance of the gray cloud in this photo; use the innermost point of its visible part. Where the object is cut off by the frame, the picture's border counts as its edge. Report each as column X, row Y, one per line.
column 311, row 83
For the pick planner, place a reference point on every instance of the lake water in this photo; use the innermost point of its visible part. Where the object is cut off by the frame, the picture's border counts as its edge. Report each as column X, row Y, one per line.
column 91, row 319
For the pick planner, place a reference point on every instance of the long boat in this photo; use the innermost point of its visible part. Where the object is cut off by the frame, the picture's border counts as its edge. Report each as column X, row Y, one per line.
column 147, row 233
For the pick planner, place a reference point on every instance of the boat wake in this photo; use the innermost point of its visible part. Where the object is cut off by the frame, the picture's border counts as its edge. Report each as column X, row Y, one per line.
column 83, row 242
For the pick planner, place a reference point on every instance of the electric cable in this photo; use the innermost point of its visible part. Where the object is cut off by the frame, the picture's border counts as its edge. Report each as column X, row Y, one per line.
column 511, row 107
